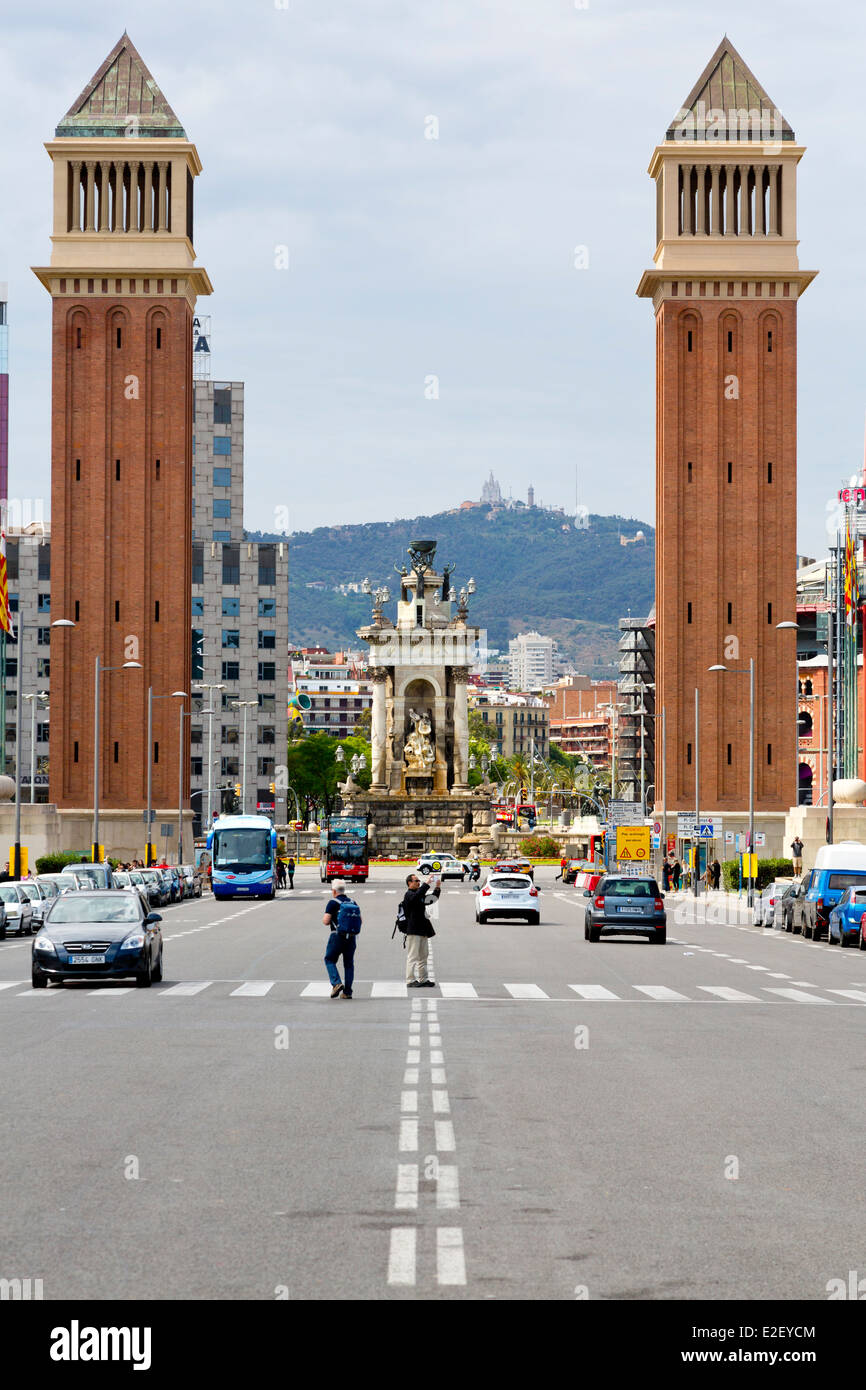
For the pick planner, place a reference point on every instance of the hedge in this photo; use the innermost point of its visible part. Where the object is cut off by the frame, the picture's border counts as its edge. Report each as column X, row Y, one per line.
column 540, row 847
column 54, row 863
column 768, row 869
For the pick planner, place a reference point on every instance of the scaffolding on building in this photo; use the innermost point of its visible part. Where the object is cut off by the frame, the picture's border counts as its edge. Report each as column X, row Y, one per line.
column 636, row 700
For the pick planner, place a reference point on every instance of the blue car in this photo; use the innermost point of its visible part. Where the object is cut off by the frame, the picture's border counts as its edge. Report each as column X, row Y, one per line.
column 845, row 918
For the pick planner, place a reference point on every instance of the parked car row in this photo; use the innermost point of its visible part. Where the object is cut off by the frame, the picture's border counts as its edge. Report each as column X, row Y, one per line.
column 830, row 900
column 24, row 905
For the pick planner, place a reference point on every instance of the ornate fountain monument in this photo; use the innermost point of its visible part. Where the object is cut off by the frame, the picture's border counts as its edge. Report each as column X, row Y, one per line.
column 420, row 796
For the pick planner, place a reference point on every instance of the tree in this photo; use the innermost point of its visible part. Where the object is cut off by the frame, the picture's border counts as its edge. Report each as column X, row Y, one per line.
column 479, row 729
column 314, row 771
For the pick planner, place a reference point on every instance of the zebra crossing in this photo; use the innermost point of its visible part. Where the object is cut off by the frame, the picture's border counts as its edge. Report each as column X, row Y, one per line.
column 519, row 992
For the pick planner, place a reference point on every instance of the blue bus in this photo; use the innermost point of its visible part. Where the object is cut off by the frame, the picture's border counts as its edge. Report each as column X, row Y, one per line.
column 243, row 857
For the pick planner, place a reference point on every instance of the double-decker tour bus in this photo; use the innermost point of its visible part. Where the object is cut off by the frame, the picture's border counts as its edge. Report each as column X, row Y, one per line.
column 344, row 849
column 243, row 855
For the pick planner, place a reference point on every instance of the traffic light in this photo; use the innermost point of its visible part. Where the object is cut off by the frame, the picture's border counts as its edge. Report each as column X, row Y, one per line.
column 237, row 788
column 272, row 787
column 523, row 793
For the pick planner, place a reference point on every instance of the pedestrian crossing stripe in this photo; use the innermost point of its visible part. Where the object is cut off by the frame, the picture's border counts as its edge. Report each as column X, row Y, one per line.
column 457, row 990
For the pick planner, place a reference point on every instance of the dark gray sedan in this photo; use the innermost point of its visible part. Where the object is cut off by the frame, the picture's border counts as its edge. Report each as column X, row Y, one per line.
column 788, row 908
column 99, row 935
column 625, row 907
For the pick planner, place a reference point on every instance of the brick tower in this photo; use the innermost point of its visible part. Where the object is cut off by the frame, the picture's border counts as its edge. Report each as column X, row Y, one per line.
column 123, row 284
column 724, row 288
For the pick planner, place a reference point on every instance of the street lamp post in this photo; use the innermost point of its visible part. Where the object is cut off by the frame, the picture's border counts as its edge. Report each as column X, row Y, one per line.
column 34, row 699
column 695, row 856
column 244, row 705
column 181, row 694
column 184, row 714
column 734, row 671
column 99, row 670
column 17, row 866
column 793, row 627
column 200, row 685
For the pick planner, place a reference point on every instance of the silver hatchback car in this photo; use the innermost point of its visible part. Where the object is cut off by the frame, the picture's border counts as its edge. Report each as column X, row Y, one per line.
column 19, row 911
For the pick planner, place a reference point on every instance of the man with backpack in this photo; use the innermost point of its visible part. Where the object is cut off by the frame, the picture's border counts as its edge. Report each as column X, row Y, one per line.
column 343, row 916
column 418, row 928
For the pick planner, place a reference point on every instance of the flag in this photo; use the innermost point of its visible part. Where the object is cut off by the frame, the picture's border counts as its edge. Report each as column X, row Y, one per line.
column 5, row 615
column 850, row 583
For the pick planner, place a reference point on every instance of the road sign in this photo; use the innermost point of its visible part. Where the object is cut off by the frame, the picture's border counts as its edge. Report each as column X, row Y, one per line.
column 633, row 843
column 657, row 827
column 707, row 828
column 625, row 813
column 166, row 830
column 729, row 837
column 760, row 839
column 152, row 816
column 656, row 841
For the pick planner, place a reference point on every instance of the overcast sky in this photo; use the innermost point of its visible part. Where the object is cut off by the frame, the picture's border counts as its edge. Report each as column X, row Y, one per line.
column 412, row 258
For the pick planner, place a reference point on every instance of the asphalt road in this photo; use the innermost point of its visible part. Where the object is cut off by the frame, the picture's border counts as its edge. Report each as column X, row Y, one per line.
column 556, row 1120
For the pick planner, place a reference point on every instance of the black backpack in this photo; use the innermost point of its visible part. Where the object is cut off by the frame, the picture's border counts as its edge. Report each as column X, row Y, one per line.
column 401, row 924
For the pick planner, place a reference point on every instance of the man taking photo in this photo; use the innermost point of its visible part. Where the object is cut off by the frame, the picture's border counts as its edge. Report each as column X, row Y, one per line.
column 418, row 930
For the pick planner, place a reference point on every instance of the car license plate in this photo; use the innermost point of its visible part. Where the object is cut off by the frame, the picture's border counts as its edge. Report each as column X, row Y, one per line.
column 86, row 960
column 633, row 910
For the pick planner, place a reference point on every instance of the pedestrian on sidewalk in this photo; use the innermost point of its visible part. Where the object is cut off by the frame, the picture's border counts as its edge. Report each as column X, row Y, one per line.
column 666, row 876
column 281, row 872
column 418, row 930
column 290, row 870
column 343, row 916
column 797, row 855
column 676, row 875
column 717, row 874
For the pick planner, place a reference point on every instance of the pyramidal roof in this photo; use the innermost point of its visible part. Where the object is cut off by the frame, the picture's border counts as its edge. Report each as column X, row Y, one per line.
column 121, row 99
column 728, row 85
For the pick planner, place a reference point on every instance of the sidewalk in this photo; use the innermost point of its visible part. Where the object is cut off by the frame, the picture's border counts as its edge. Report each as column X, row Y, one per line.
column 707, row 906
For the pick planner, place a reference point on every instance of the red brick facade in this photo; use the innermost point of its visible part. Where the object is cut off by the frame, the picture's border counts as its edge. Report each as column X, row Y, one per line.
column 121, row 500
column 726, row 539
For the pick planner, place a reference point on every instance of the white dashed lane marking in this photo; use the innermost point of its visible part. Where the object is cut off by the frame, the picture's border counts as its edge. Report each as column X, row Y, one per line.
column 526, row 992
column 799, row 995
column 732, row 996
column 401, row 1258
column 663, row 994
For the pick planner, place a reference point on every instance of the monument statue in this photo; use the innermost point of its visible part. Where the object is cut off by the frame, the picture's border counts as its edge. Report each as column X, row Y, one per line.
column 418, row 749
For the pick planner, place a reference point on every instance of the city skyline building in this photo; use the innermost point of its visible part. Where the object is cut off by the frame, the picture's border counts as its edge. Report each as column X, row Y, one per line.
column 240, row 622
column 531, row 659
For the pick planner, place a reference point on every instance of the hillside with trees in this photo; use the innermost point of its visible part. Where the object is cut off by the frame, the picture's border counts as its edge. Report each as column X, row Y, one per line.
column 533, row 568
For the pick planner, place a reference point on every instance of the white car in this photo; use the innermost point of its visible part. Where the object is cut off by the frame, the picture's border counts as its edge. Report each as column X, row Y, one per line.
column 508, row 895
column 19, row 913
column 765, row 902
column 445, row 865
column 39, row 896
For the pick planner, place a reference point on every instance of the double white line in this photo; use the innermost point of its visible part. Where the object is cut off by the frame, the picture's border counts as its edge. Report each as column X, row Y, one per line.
column 403, row 1255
